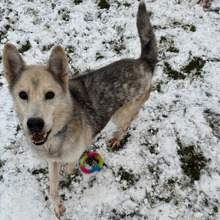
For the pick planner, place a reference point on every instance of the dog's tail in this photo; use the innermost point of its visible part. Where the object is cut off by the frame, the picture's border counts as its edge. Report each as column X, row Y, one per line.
column 147, row 36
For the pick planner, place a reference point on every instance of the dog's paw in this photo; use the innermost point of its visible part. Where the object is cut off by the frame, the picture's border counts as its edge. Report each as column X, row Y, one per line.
column 59, row 209
column 115, row 142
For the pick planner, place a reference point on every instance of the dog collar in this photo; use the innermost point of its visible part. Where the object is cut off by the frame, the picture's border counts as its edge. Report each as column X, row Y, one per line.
column 62, row 131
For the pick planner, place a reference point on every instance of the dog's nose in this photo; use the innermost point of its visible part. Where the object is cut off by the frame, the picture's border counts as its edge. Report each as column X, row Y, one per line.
column 35, row 124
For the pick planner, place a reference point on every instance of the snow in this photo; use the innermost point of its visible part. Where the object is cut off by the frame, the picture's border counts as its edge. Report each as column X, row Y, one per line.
column 144, row 179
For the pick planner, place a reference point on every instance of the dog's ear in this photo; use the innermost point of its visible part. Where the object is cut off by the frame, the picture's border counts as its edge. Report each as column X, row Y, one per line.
column 12, row 62
column 58, row 64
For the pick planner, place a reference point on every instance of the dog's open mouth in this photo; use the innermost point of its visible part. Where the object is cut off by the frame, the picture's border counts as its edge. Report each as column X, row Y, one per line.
column 39, row 139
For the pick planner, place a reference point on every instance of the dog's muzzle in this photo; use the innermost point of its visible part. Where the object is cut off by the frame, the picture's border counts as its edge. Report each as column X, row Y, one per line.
column 37, row 135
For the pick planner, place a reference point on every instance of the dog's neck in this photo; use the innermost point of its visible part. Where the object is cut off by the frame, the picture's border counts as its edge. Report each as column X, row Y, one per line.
column 62, row 131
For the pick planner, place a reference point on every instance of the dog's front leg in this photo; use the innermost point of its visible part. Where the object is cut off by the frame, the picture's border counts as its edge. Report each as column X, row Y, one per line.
column 54, row 172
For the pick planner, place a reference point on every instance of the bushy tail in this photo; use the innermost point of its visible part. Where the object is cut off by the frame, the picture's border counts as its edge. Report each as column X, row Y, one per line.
column 147, row 36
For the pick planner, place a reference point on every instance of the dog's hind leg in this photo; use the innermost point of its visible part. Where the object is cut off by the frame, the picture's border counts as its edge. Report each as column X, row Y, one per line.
column 125, row 115
column 54, row 170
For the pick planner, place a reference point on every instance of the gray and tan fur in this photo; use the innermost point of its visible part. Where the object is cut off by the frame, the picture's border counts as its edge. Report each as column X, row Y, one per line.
column 61, row 117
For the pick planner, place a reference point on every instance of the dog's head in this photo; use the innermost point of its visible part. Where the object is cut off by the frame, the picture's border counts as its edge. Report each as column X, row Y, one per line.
column 39, row 93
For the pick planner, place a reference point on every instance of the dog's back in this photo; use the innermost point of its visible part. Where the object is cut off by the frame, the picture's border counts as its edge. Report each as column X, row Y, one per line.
column 102, row 92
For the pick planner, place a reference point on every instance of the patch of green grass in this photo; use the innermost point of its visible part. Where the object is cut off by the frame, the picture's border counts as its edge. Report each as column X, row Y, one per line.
column 74, row 72
column 70, row 49
column 47, row 47
column 164, row 199
column 91, row 181
column 173, row 73
column 153, row 150
column 163, row 39
column 103, row 4
column 195, row 65
column 117, row 45
column 155, row 170
column 173, row 49
column 99, row 56
column 38, row 171
column 153, row 131
column 215, row 209
column 128, row 176
column 18, row 128
column 7, row 27
column 126, row 4
column 118, row 216
column 118, row 48
column 157, row 86
column 2, row 163
column 64, row 14
column 53, row 5
column 214, row 121
column 66, row 17
column 167, row 44
column 189, row 27
column 25, row 47
column 77, row 1
column 155, row 198
column 192, row 161
column 66, row 182
column 192, row 28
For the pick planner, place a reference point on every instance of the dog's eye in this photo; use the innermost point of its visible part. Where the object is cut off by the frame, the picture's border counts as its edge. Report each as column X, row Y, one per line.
column 49, row 95
column 23, row 95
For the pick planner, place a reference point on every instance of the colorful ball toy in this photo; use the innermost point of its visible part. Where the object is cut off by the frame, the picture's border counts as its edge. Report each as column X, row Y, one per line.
column 96, row 168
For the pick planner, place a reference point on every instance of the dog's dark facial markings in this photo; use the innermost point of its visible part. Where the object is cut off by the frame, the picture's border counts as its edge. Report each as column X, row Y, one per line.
column 63, row 116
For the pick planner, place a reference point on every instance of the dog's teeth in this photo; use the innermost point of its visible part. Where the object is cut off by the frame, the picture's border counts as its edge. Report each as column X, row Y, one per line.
column 45, row 135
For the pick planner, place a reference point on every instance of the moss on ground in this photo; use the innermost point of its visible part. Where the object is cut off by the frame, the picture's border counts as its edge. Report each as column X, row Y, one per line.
column 173, row 73
column 104, row 4
column 192, row 161
column 195, row 65
column 193, row 68
column 214, row 121
column 2, row 163
column 38, row 171
column 25, row 47
column 127, row 176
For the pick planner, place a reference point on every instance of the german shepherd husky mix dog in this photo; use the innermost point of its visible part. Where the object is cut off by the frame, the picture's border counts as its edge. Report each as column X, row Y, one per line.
column 61, row 117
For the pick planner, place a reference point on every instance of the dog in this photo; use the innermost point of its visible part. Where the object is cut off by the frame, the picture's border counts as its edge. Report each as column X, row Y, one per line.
column 61, row 116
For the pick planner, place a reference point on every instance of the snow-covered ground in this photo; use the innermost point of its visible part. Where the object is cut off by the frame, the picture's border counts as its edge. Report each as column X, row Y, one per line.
column 169, row 164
